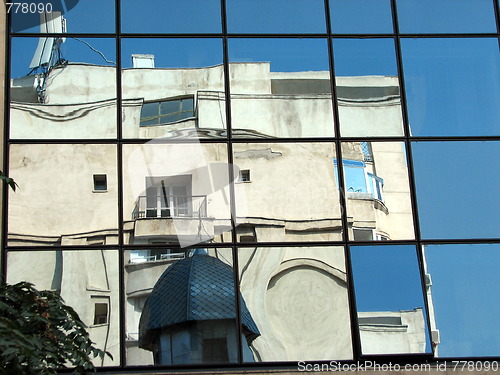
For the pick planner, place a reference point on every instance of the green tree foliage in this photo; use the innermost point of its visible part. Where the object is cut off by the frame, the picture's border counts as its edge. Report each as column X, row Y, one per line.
column 40, row 333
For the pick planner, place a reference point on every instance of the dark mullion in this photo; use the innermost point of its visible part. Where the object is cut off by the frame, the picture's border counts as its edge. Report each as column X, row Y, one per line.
column 5, row 137
column 253, row 140
column 232, row 199
column 223, row 245
column 253, row 245
column 355, row 336
column 411, row 174
column 63, row 35
column 121, row 253
column 20, row 248
column 496, row 9
column 257, row 36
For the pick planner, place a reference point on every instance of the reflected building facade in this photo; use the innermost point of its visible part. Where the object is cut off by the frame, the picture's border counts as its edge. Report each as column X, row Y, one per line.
column 176, row 195
column 214, row 198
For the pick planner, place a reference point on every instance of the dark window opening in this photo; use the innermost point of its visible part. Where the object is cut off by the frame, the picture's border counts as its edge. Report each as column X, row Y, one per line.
column 101, row 313
column 245, row 175
column 100, row 182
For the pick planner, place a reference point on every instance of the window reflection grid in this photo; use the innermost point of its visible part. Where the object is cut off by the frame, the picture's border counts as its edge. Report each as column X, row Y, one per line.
column 184, row 109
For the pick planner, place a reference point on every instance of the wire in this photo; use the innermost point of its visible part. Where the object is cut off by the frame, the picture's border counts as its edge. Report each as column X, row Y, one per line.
column 95, row 50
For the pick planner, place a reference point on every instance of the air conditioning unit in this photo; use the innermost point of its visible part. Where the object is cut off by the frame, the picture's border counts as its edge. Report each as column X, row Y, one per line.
column 435, row 336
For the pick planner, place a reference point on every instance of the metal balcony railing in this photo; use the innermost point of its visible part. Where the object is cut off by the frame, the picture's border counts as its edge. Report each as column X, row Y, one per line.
column 169, row 206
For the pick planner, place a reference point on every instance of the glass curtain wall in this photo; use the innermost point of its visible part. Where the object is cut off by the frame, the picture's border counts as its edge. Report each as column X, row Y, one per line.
column 232, row 182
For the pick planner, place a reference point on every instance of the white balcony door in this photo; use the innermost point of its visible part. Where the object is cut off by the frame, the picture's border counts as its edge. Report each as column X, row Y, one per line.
column 168, row 199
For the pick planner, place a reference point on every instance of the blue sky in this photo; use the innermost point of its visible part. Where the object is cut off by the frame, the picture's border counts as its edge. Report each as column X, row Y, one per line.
column 83, row 16
column 452, row 88
column 466, row 298
column 446, row 16
column 457, row 185
column 387, row 278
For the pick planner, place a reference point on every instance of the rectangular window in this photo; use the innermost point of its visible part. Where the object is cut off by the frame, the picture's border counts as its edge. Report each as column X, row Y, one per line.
column 167, row 111
column 101, row 311
column 354, row 174
column 362, row 234
column 376, row 184
column 245, row 175
column 367, row 151
column 100, row 182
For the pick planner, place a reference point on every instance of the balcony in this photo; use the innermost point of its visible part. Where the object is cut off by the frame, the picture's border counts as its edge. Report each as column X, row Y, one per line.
column 170, row 206
column 178, row 219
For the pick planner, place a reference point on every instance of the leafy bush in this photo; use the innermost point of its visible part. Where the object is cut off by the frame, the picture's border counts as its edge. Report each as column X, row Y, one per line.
column 40, row 333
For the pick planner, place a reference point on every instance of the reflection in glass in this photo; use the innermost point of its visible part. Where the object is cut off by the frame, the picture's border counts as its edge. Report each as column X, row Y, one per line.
column 298, row 300
column 453, row 180
column 277, row 16
column 181, row 307
column 280, row 88
column 176, row 194
column 367, row 87
column 378, row 192
column 290, row 193
column 452, row 86
column 446, row 16
column 86, row 280
column 80, row 16
column 61, row 200
column 465, row 297
column 389, row 299
column 361, row 17
column 168, row 16
column 173, row 88
column 63, row 88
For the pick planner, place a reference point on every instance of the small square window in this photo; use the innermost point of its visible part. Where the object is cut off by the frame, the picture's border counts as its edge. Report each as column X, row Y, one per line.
column 100, row 313
column 245, row 175
column 100, row 182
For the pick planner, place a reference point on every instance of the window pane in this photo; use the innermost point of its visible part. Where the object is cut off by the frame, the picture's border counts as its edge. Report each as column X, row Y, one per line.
column 287, row 200
column 155, row 174
column 181, row 307
column 171, row 73
column 277, row 16
column 446, row 16
column 82, row 16
column 149, row 110
column 280, row 88
column 378, row 191
column 84, row 279
column 463, row 285
column 168, row 16
column 298, row 300
column 391, row 312
column 361, row 17
column 453, row 180
column 170, row 106
column 187, row 104
column 452, row 86
column 63, row 88
column 367, row 87
column 56, row 203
